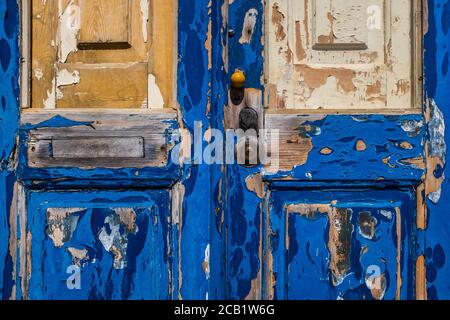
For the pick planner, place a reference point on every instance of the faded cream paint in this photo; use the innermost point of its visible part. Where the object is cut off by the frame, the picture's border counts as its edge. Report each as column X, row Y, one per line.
column 78, row 255
column 249, row 26
column 50, row 102
column 332, row 55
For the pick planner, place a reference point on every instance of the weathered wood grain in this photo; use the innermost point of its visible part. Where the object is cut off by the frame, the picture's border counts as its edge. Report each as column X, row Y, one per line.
column 100, row 24
column 121, row 54
column 112, row 141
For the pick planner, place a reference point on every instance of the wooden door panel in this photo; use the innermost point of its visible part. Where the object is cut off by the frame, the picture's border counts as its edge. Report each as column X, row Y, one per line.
column 90, row 86
column 117, row 242
column 340, row 54
column 100, row 54
column 34, row 266
column 101, row 25
column 356, row 247
column 345, row 25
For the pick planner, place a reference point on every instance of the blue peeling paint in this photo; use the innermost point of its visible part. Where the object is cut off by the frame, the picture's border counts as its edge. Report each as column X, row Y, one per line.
column 302, row 270
column 148, row 264
column 393, row 158
column 218, row 210
column 437, row 85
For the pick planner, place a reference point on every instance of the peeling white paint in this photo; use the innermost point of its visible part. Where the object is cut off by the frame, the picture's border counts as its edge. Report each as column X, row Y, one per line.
column 113, row 239
column 62, row 223
column 66, row 78
column 63, row 78
column 50, row 102
column 178, row 192
column 251, row 17
column 38, row 74
column 68, row 30
column 386, row 213
column 412, row 127
column 114, row 242
column 108, row 239
column 438, row 146
column 206, row 262
column 435, row 196
column 155, row 98
column 436, row 128
column 144, row 13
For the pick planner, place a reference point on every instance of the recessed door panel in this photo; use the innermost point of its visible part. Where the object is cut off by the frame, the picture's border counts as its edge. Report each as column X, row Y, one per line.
column 358, row 246
column 104, row 245
column 99, row 54
column 341, row 54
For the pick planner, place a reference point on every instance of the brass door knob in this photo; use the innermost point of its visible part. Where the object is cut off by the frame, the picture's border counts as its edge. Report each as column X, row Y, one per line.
column 238, row 79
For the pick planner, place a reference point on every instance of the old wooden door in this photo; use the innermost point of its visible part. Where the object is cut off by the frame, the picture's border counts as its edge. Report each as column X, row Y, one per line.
column 353, row 204
column 338, row 213
column 94, row 200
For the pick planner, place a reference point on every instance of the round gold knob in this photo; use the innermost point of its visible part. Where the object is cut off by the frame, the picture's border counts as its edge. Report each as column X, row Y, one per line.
column 238, row 79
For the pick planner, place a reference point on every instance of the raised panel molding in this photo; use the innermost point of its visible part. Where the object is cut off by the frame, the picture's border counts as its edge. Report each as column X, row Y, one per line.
column 342, row 55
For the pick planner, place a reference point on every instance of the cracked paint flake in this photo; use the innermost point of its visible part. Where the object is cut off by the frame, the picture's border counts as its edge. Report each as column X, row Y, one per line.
column 437, row 151
column 115, row 240
column 145, row 18
column 248, row 28
column 68, row 30
column 78, row 255
column 154, row 96
column 206, row 262
column 412, row 127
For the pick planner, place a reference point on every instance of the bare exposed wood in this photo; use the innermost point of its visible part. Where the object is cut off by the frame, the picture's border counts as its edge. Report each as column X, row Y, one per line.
column 421, row 281
column 294, row 146
column 100, row 87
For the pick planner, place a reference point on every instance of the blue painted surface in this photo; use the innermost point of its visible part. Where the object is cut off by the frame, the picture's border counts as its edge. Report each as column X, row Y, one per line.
column 9, row 92
column 302, row 254
column 145, row 260
column 383, row 160
column 437, row 86
column 384, row 164
column 191, row 235
column 97, row 177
